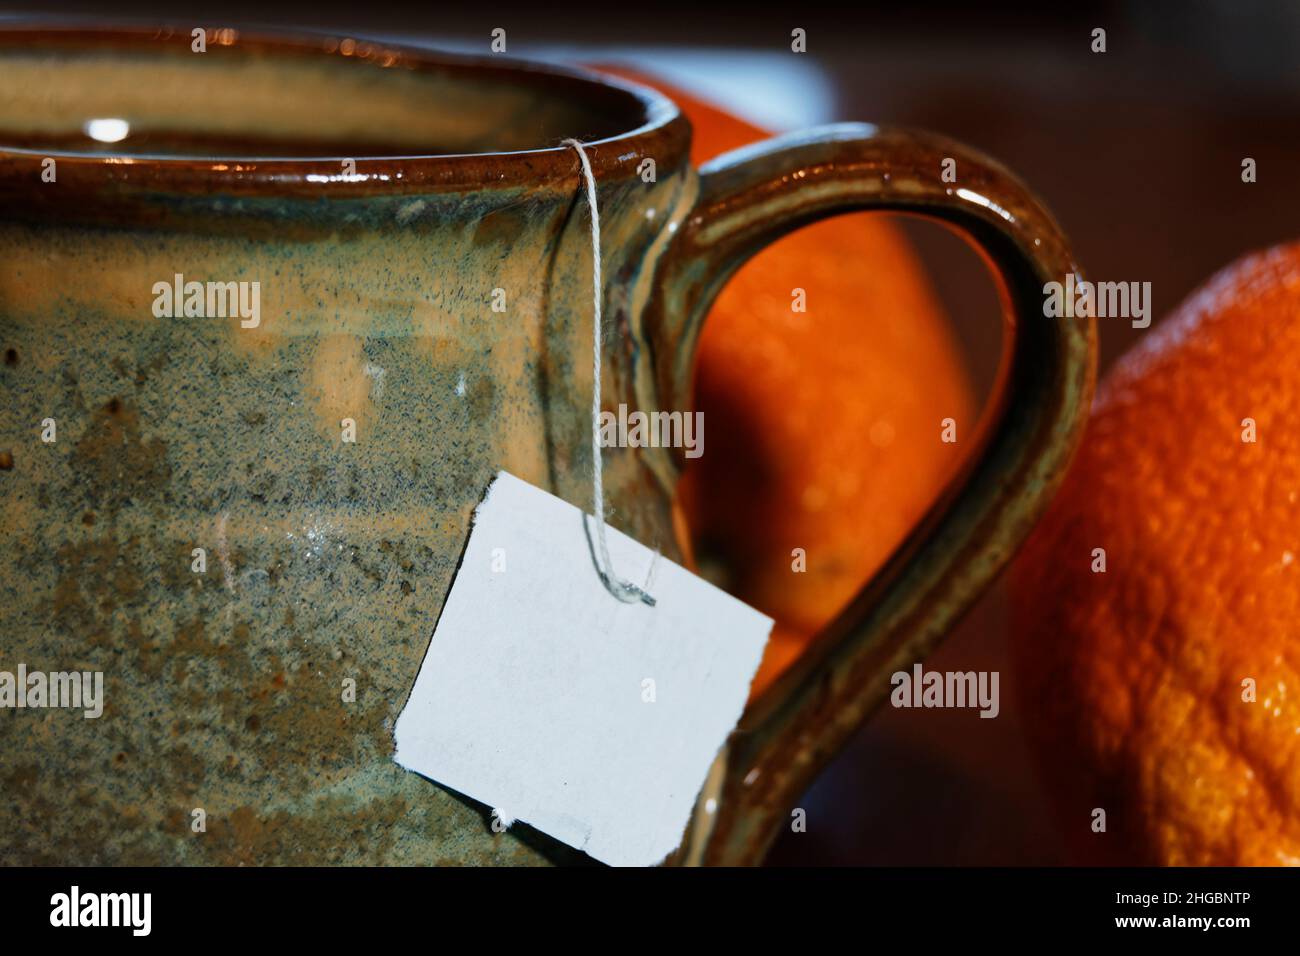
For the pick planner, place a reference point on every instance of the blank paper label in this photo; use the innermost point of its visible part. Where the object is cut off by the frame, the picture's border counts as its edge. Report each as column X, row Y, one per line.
column 546, row 697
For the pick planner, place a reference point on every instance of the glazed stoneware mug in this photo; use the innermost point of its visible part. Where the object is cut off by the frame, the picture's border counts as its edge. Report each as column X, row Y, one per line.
column 272, row 315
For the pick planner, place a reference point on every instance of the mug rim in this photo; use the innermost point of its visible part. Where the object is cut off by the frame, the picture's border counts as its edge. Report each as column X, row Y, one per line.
column 663, row 131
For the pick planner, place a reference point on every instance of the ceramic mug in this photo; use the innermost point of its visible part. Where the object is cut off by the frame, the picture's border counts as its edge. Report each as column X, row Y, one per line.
column 233, row 510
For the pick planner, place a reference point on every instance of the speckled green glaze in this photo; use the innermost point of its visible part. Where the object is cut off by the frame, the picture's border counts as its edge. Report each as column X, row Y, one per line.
column 329, row 561
column 326, row 560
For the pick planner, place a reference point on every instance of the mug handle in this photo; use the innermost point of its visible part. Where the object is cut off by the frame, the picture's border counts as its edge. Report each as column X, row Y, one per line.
column 749, row 198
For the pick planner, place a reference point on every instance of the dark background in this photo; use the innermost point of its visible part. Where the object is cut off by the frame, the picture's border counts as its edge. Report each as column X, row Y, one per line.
column 1138, row 153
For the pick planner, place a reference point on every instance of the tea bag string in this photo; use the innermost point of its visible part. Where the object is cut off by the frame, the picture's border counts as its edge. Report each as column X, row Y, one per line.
column 625, row 591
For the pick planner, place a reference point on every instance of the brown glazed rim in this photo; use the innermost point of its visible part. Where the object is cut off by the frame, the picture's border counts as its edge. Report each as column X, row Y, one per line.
column 661, row 131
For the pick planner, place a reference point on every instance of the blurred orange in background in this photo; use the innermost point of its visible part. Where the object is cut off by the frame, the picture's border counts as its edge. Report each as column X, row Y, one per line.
column 824, row 425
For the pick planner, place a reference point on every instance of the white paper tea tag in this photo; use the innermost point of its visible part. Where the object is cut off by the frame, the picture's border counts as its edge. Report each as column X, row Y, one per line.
column 591, row 719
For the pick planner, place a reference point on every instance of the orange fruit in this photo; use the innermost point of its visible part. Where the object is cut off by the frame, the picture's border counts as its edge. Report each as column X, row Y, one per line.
column 823, row 426
column 1166, row 689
